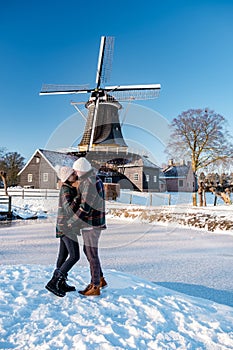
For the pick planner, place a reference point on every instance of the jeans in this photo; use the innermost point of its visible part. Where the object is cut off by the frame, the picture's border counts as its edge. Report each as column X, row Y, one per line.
column 70, row 248
column 90, row 248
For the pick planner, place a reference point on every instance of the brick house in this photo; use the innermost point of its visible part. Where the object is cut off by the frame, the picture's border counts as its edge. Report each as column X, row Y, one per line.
column 179, row 177
column 143, row 173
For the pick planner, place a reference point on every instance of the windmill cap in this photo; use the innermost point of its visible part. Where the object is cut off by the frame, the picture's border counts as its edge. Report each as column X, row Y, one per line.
column 82, row 165
column 64, row 172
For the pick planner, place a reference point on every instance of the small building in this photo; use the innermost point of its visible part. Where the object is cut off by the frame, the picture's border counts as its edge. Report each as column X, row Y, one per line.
column 179, row 177
column 39, row 171
column 143, row 174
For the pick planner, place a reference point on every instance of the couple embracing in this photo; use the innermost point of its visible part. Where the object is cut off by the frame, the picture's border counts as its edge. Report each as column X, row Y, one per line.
column 81, row 208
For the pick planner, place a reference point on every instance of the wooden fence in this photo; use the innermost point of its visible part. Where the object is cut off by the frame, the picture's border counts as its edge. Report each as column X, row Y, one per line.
column 26, row 193
column 144, row 198
column 112, row 192
column 6, row 201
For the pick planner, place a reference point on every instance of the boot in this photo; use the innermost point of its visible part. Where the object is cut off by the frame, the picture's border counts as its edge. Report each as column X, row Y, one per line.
column 66, row 286
column 55, row 284
column 90, row 290
column 103, row 283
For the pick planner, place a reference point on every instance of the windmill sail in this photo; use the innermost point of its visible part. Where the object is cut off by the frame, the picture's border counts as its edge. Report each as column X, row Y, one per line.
column 134, row 92
column 53, row 89
column 105, row 60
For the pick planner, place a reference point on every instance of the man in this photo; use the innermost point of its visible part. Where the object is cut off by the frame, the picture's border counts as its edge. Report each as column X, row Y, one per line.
column 90, row 216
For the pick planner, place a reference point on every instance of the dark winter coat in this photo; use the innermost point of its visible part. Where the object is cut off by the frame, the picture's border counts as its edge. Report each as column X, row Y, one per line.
column 91, row 211
column 66, row 208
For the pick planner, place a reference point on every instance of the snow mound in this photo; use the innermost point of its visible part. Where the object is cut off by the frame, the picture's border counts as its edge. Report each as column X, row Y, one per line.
column 130, row 314
column 209, row 219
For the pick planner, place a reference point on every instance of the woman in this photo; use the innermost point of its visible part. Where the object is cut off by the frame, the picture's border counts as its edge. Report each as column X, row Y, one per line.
column 68, row 253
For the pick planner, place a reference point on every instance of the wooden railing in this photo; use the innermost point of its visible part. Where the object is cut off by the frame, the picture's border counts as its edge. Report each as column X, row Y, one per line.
column 6, row 201
column 112, row 192
column 23, row 193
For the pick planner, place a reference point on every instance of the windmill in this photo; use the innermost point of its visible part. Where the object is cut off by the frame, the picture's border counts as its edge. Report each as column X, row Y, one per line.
column 102, row 124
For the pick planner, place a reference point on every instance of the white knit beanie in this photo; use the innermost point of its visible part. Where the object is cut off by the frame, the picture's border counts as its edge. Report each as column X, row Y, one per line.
column 64, row 172
column 82, row 165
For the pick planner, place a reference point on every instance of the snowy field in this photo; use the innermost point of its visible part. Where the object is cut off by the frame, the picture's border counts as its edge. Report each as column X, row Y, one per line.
column 169, row 287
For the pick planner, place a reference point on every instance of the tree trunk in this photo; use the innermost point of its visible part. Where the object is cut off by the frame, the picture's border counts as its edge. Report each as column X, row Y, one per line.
column 204, row 198
column 195, row 180
column 194, row 199
column 215, row 200
column 200, row 195
column 3, row 176
column 224, row 196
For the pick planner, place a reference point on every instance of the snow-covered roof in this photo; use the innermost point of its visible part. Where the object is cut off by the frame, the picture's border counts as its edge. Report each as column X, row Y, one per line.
column 58, row 158
column 176, row 171
column 141, row 161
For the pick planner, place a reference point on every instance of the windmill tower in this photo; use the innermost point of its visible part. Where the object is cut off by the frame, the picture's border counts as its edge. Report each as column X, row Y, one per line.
column 103, row 127
column 107, row 132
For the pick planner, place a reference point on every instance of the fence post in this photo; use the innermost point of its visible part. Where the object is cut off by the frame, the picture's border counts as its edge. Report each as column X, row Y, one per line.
column 22, row 193
column 151, row 199
column 169, row 199
column 9, row 207
column 130, row 199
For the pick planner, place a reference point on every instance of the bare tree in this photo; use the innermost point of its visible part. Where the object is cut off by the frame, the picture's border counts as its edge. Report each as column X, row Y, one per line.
column 200, row 135
column 11, row 163
column 2, row 172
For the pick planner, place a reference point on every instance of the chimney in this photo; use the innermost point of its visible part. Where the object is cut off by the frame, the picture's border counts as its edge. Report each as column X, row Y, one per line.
column 170, row 162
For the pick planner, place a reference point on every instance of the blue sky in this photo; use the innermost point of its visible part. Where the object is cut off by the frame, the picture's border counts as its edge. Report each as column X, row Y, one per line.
column 186, row 46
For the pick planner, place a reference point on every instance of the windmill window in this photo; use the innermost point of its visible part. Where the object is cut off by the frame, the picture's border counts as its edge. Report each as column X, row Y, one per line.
column 37, row 159
column 136, row 177
column 181, row 183
column 29, row 177
column 45, row 177
column 147, row 178
column 155, row 178
column 108, row 180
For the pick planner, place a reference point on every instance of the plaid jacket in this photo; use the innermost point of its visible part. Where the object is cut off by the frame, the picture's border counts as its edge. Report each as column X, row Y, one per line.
column 91, row 211
column 66, row 208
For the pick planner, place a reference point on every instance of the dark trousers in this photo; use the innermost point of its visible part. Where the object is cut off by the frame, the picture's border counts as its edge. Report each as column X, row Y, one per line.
column 90, row 248
column 68, row 254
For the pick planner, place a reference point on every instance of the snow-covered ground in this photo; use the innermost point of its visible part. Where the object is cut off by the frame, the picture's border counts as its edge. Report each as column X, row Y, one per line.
column 170, row 286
